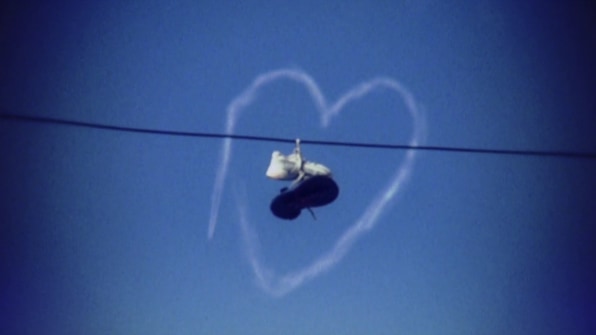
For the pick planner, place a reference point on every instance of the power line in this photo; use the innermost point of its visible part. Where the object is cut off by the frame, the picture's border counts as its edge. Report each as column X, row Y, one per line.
column 65, row 122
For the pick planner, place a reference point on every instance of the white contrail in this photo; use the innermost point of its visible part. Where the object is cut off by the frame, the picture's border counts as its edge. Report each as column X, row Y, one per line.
column 267, row 279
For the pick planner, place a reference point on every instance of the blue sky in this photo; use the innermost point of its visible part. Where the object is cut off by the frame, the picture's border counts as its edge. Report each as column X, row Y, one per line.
column 106, row 232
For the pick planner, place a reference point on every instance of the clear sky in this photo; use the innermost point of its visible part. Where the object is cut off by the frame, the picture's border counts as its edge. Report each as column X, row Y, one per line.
column 107, row 232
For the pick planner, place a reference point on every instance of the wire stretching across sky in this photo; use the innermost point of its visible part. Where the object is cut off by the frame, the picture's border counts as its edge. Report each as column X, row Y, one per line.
column 389, row 146
column 270, row 281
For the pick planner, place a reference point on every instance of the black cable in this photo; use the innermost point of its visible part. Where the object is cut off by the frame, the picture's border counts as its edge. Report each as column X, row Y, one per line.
column 48, row 120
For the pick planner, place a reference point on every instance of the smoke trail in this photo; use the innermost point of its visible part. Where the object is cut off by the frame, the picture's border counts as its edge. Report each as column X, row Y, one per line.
column 268, row 280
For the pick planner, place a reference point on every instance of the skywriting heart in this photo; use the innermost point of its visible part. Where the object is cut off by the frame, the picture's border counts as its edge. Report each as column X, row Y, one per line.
column 271, row 282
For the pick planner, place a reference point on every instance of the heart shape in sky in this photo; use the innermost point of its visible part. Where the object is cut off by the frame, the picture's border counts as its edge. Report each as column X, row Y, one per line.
column 279, row 285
